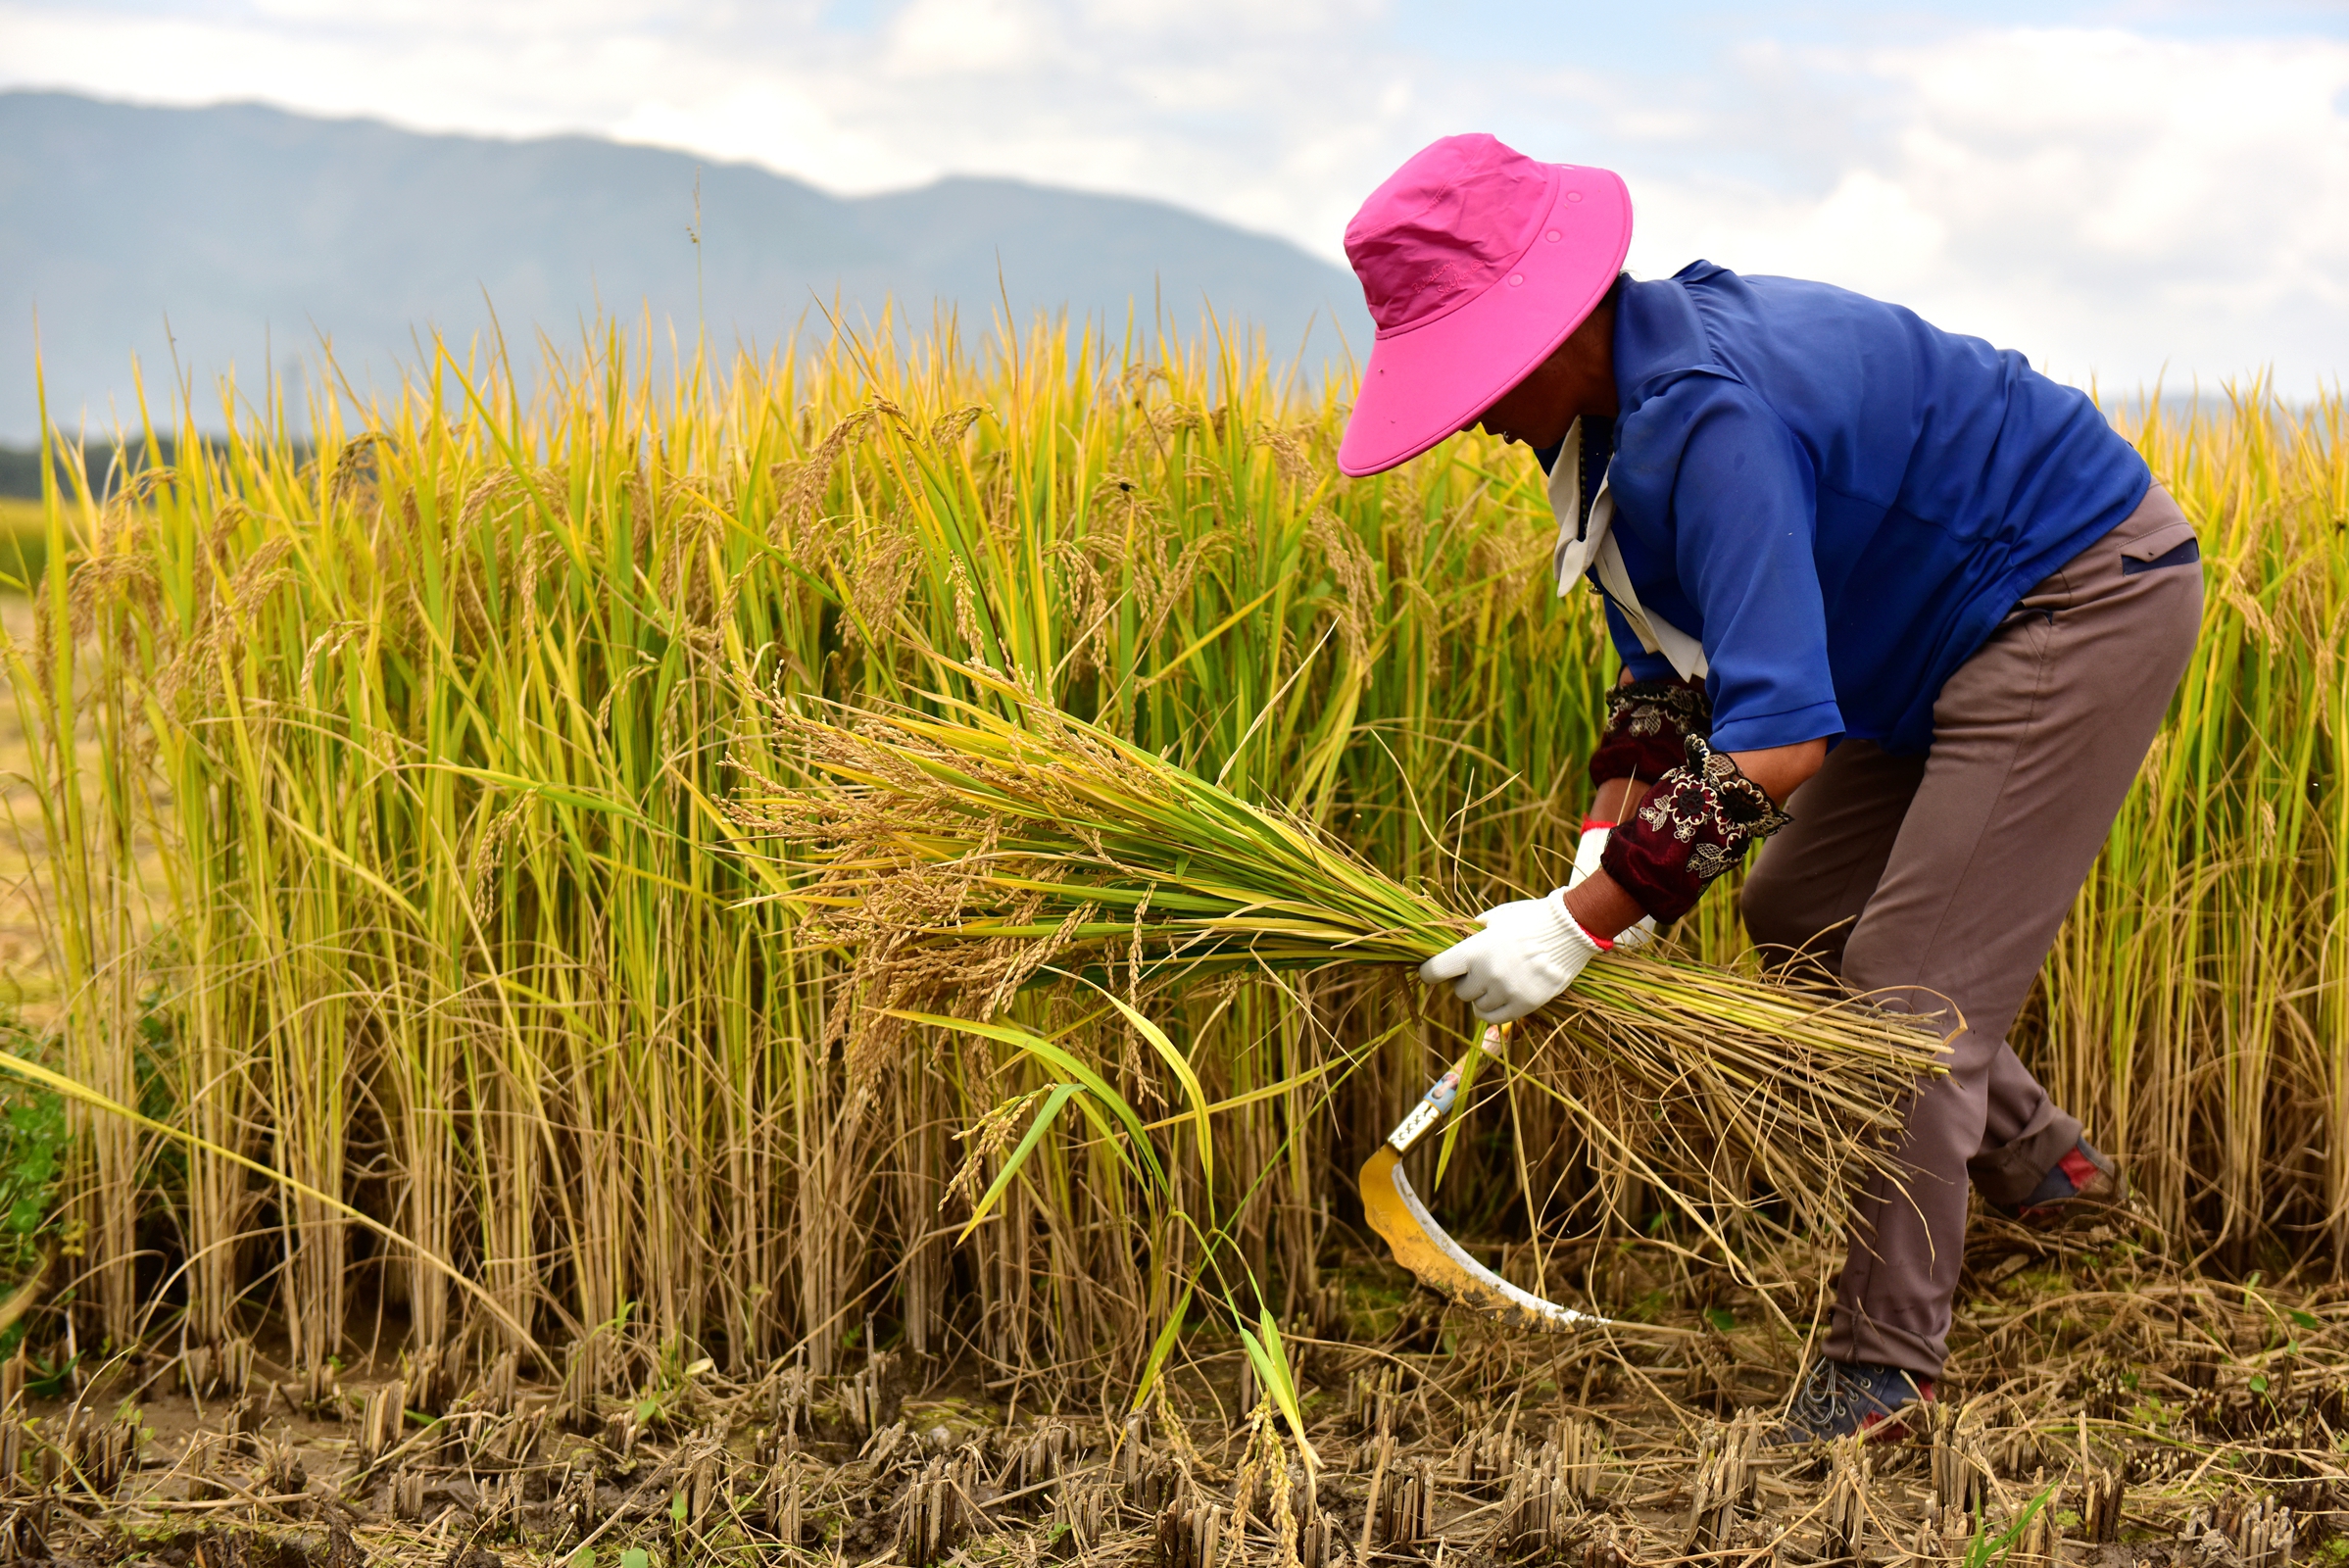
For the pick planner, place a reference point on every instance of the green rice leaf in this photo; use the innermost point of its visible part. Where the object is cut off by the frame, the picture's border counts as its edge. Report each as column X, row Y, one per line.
column 1170, row 1333
column 1059, row 1060
column 1180, row 1066
column 1270, row 1358
column 1038, row 1126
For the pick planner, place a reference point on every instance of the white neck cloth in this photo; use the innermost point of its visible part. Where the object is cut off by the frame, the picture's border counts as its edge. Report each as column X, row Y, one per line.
column 1586, row 545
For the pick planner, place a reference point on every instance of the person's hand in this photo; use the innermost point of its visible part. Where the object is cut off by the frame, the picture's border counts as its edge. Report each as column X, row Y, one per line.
column 1586, row 862
column 1528, row 952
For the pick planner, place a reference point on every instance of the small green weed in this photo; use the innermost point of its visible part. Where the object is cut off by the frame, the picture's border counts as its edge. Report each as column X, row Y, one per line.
column 2331, row 1554
column 33, row 1139
column 1985, row 1549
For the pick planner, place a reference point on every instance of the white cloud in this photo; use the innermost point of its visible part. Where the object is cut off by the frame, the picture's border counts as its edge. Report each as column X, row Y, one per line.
column 781, row 125
column 1229, row 22
column 971, row 38
column 2105, row 200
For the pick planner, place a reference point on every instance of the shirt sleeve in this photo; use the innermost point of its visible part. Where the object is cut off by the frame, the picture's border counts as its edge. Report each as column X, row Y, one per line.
column 1744, row 507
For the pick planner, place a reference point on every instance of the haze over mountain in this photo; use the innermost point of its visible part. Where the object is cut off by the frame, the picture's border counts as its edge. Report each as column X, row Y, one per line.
column 253, row 231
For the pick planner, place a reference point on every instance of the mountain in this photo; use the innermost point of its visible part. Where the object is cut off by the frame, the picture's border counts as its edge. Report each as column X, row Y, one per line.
column 252, row 232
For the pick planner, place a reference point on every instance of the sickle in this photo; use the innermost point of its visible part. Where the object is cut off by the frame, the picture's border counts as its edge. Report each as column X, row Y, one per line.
column 1421, row 1246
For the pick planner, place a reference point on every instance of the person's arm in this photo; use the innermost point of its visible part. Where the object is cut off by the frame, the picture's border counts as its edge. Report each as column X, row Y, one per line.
column 1648, row 712
column 1599, row 904
column 1650, row 717
column 1532, row 949
column 1619, row 797
column 1740, row 492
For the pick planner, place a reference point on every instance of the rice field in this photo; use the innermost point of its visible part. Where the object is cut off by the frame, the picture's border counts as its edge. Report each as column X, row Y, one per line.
column 375, row 834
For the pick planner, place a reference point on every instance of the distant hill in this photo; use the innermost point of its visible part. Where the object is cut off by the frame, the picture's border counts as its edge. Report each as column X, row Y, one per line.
column 253, row 230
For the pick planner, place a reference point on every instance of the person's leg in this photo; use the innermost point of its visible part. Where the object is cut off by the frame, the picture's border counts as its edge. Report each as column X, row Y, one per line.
column 2036, row 739
column 2024, row 1131
column 1814, row 875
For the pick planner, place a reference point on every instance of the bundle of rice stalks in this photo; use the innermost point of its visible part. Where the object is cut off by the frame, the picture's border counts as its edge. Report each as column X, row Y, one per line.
column 956, row 860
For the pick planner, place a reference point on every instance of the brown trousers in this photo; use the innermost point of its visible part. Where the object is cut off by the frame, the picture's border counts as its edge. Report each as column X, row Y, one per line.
column 1944, row 877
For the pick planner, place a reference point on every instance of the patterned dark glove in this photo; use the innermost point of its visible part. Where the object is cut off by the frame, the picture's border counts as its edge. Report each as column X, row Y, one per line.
column 1696, row 823
column 1646, row 722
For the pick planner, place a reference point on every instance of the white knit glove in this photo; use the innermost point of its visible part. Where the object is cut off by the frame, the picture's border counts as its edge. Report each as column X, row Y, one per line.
column 1528, row 952
column 1585, row 861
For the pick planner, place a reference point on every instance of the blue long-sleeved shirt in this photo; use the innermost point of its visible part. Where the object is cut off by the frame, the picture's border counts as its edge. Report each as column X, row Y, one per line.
column 1839, row 501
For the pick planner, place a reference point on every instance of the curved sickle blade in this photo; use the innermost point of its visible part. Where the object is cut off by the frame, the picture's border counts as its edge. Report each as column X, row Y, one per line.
column 1421, row 1246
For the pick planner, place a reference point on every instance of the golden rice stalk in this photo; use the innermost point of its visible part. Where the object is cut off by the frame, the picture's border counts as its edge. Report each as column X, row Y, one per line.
column 960, row 858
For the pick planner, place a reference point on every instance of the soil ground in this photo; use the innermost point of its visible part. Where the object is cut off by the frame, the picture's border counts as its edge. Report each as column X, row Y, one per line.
column 2152, row 1416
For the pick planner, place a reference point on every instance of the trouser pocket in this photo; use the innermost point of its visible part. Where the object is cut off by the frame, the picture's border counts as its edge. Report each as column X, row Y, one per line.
column 2170, row 545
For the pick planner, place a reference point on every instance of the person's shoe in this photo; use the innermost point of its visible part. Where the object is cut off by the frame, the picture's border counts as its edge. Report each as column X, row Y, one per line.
column 2084, row 1185
column 1841, row 1398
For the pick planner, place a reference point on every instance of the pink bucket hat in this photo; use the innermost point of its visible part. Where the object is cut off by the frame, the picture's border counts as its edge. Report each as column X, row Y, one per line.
column 1477, row 261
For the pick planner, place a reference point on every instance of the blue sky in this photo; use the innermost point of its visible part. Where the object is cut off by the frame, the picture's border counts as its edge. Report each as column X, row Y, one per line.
column 2123, row 189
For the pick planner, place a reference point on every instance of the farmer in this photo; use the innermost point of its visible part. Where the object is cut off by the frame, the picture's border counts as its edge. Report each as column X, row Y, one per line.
column 1885, row 597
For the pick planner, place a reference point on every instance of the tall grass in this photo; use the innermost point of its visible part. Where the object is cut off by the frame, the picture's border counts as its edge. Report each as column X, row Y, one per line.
column 377, row 842
column 2197, row 1001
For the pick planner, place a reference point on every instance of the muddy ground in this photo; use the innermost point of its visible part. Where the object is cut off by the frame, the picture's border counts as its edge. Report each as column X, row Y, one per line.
column 2101, row 1407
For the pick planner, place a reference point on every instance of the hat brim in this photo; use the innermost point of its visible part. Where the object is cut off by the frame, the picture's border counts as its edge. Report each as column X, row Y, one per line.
column 1431, row 380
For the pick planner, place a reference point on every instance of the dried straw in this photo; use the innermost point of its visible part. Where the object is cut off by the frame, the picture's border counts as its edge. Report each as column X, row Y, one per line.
column 959, row 857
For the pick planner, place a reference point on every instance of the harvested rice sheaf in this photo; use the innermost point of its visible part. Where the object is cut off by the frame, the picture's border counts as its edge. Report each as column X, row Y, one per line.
column 957, row 857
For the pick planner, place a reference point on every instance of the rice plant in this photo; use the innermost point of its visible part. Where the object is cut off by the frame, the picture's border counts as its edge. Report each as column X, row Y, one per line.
column 966, row 857
column 381, row 834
